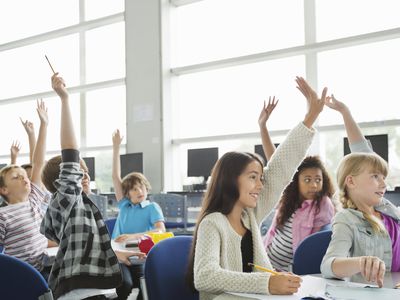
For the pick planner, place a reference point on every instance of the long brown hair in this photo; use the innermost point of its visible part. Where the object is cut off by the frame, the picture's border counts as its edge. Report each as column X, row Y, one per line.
column 291, row 198
column 222, row 193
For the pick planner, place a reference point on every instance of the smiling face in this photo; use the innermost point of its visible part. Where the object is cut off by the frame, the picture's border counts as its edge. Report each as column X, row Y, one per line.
column 310, row 183
column 366, row 188
column 250, row 185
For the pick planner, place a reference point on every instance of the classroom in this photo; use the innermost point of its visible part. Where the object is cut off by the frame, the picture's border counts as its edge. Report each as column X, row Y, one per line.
column 205, row 141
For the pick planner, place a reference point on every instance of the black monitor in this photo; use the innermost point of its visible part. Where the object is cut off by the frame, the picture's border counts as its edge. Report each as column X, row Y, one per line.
column 260, row 151
column 2, row 166
column 201, row 161
column 379, row 142
column 91, row 167
column 131, row 162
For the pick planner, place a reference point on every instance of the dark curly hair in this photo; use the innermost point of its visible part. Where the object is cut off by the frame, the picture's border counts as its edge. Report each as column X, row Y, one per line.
column 291, row 198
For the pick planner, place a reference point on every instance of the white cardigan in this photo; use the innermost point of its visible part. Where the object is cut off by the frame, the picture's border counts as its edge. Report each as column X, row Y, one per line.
column 218, row 257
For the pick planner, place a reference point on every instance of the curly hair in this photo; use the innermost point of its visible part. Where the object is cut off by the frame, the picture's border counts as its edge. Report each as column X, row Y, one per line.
column 291, row 199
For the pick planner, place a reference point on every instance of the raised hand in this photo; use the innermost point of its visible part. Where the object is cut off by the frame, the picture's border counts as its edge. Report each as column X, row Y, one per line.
column 335, row 104
column 267, row 111
column 14, row 150
column 58, row 85
column 42, row 111
column 28, row 126
column 315, row 104
column 117, row 138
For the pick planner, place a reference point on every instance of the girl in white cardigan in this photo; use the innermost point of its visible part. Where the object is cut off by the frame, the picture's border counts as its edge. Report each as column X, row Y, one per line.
column 227, row 236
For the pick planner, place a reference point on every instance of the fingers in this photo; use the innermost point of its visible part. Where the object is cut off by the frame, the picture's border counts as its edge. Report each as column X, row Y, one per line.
column 381, row 273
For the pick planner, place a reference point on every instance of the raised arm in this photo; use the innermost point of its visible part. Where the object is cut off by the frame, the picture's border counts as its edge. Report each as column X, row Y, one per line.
column 116, row 167
column 268, row 146
column 40, row 148
column 315, row 104
column 67, row 133
column 353, row 131
column 30, row 131
column 14, row 151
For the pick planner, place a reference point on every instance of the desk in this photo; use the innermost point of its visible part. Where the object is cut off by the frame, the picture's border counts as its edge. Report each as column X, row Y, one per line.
column 316, row 285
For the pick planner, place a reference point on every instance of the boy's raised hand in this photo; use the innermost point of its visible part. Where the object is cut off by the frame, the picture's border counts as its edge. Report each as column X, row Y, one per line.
column 42, row 111
column 335, row 104
column 58, row 85
column 28, row 126
column 117, row 138
column 267, row 111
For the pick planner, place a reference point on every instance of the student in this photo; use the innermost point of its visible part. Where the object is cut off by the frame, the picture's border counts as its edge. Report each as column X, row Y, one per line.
column 304, row 208
column 239, row 195
column 85, row 265
column 136, row 215
column 20, row 218
column 366, row 234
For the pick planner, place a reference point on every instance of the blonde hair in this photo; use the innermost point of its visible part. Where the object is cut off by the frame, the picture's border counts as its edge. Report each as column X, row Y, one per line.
column 3, row 172
column 354, row 164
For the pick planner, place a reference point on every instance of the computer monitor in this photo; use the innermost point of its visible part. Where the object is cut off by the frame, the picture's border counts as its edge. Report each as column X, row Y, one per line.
column 91, row 167
column 2, row 166
column 393, row 196
column 131, row 162
column 260, row 151
column 201, row 161
column 379, row 142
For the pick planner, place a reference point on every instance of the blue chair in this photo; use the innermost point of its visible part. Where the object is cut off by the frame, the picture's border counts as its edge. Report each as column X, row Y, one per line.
column 1, row 249
column 165, row 270
column 174, row 207
column 19, row 280
column 110, row 223
column 308, row 255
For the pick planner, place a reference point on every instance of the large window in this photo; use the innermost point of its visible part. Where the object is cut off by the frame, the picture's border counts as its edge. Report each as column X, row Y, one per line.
column 86, row 44
column 229, row 56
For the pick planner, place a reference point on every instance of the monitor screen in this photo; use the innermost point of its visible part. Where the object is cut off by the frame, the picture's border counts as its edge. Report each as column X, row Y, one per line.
column 260, row 151
column 131, row 162
column 201, row 162
column 90, row 164
column 379, row 144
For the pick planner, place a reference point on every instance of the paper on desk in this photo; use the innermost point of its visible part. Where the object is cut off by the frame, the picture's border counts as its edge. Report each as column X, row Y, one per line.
column 310, row 286
column 353, row 292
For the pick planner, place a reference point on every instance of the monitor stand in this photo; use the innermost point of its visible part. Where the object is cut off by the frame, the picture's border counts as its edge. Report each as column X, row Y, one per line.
column 200, row 187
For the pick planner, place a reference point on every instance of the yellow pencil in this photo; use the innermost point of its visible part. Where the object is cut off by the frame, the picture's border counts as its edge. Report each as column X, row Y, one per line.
column 264, row 269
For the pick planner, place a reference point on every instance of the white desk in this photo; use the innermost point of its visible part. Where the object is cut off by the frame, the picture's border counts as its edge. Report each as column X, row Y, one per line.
column 316, row 286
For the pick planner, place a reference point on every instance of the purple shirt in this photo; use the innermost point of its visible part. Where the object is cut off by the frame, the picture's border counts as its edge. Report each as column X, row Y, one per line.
column 393, row 228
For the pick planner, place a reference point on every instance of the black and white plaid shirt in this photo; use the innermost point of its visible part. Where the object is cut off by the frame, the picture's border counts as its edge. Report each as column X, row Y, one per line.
column 85, row 258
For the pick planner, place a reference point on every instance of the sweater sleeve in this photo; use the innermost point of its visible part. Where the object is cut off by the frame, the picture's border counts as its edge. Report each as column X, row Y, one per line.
column 282, row 166
column 209, row 276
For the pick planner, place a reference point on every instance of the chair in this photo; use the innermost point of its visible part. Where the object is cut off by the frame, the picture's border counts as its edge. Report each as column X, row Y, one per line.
column 19, row 280
column 308, row 255
column 101, row 202
column 110, row 223
column 174, row 208
column 165, row 270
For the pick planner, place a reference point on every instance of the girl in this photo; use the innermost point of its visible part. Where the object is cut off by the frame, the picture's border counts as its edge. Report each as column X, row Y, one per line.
column 227, row 234
column 305, row 207
column 366, row 234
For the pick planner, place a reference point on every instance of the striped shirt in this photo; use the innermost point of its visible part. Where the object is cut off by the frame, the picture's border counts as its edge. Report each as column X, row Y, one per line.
column 19, row 229
column 280, row 251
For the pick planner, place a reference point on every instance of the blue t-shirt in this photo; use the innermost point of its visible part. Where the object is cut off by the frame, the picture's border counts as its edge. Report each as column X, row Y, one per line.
column 135, row 218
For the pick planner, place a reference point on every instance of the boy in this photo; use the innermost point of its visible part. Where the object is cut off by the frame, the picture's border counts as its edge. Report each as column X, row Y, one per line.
column 85, row 265
column 20, row 218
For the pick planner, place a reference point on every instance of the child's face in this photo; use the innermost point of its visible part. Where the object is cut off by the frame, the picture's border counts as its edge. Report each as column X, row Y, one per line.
column 250, row 185
column 310, row 183
column 367, row 188
column 138, row 193
column 17, row 184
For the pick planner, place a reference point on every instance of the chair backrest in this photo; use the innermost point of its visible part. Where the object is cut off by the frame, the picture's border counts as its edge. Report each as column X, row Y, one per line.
column 19, row 280
column 110, row 223
column 101, row 202
column 165, row 270
column 174, row 208
column 308, row 255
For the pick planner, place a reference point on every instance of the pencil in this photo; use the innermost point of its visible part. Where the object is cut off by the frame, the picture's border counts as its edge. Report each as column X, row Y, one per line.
column 50, row 64
column 263, row 269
